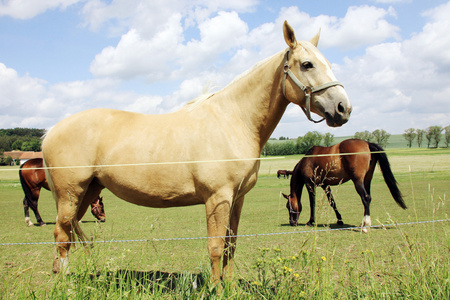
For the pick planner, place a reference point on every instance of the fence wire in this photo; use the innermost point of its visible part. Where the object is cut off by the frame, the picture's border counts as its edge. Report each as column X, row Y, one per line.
column 353, row 228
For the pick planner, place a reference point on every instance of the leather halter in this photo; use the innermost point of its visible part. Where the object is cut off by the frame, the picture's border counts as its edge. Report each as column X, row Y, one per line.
column 308, row 90
column 291, row 210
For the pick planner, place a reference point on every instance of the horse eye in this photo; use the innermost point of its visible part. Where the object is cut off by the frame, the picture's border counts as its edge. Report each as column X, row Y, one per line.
column 307, row 65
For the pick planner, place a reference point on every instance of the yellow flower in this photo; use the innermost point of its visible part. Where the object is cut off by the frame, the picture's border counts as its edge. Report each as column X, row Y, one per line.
column 296, row 275
column 256, row 283
column 324, row 258
column 287, row 269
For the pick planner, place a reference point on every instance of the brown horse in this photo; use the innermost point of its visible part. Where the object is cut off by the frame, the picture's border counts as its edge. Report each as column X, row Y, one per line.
column 32, row 178
column 324, row 166
column 213, row 142
column 284, row 173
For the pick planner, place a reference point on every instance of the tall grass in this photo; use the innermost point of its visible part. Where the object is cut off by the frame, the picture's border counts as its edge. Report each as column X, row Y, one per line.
column 412, row 266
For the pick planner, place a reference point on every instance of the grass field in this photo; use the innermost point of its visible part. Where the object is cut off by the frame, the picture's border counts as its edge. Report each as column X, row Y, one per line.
column 396, row 262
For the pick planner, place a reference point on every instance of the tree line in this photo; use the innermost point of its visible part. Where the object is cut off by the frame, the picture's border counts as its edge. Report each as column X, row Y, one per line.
column 432, row 134
column 23, row 139
column 312, row 138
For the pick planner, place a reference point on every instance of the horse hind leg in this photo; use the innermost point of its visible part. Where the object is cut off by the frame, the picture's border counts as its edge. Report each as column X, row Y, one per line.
column 66, row 228
column 26, row 210
column 330, row 197
column 366, row 199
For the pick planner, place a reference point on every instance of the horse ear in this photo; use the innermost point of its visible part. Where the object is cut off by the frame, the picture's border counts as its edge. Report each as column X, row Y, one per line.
column 315, row 39
column 285, row 196
column 289, row 35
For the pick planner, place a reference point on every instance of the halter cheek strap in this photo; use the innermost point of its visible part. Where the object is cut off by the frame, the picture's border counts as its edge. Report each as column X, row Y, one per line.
column 306, row 89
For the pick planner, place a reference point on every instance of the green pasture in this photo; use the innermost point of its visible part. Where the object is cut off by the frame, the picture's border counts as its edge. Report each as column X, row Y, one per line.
column 395, row 262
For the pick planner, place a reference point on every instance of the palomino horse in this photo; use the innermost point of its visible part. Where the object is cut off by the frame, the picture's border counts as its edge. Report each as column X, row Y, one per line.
column 335, row 165
column 214, row 142
column 32, row 178
column 284, row 173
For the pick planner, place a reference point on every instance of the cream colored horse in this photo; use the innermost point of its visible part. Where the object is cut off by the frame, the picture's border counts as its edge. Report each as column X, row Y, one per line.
column 219, row 141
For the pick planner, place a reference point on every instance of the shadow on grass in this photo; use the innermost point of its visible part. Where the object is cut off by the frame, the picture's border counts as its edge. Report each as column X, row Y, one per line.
column 156, row 280
column 347, row 227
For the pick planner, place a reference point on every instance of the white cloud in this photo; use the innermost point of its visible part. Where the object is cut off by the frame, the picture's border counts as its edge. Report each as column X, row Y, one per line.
column 27, row 9
column 403, row 82
column 361, row 26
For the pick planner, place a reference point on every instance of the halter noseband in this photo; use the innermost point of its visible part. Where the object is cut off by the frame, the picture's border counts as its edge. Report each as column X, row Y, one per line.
column 308, row 90
column 291, row 210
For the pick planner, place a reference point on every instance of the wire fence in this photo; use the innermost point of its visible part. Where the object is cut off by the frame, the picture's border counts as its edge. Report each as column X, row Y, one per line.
column 206, row 237
column 230, row 236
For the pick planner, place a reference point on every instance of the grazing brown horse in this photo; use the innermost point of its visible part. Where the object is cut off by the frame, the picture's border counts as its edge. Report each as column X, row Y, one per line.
column 213, row 142
column 284, row 173
column 32, row 178
column 335, row 165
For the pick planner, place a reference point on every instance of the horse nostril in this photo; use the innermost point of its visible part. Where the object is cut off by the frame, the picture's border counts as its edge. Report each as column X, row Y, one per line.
column 341, row 108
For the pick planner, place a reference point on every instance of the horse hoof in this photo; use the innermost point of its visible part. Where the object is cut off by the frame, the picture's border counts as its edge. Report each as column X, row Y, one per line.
column 310, row 224
column 43, row 224
column 364, row 230
column 340, row 223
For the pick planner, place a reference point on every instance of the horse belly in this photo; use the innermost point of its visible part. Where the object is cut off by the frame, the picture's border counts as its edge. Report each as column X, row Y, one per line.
column 157, row 192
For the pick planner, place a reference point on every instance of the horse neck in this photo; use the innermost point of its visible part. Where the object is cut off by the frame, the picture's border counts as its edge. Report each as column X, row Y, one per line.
column 256, row 99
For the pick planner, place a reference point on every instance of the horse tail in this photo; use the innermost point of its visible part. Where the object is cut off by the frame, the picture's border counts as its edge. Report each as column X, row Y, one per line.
column 381, row 157
column 26, row 189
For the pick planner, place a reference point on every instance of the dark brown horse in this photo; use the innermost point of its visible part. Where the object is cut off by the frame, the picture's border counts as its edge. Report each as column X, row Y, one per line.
column 32, row 178
column 284, row 173
column 325, row 166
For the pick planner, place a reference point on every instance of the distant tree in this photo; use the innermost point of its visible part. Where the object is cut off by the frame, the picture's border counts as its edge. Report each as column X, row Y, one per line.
column 447, row 136
column 435, row 132
column 364, row 135
column 17, row 145
column 32, row 145
column 311, row 138
column 328, row 139
column 381, row 137
column 420, row 134
column 282, row 138
column 409, row 135
column 428, row 136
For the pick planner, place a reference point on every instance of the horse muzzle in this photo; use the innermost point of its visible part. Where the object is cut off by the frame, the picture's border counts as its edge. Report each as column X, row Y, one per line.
column 340, row 115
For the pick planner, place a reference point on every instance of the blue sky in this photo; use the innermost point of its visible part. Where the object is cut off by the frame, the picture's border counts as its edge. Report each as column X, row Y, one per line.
column 63, row 56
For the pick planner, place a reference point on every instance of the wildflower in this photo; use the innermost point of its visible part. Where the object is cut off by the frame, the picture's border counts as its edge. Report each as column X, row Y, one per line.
column 323, row 258
column 256, row 283
column 296, row 275
column 287, row 269
column 277, row 249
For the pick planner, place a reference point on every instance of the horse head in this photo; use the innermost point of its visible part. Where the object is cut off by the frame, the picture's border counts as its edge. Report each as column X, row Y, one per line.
column 98, row 209
column 294, row 208
column 310, row 83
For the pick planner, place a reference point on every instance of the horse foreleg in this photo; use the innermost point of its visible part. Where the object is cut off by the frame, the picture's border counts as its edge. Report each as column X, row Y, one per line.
column 217, row 222
column 230, row 240
column 327, row 190
column 312, row 203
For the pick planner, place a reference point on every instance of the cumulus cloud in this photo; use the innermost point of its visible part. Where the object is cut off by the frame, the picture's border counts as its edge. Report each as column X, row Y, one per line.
column 191, row 44
column 404, row 81
column 26, row 9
